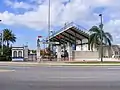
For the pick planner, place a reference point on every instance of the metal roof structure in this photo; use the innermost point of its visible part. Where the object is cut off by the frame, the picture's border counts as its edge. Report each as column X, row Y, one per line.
column 69, row 33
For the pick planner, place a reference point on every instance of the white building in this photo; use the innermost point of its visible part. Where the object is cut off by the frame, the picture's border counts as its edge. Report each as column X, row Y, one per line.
column 73, row 39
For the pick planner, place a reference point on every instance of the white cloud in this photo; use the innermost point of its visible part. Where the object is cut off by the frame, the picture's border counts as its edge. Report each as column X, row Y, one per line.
column 17, row 5
column 113, row 26
column 80, row 11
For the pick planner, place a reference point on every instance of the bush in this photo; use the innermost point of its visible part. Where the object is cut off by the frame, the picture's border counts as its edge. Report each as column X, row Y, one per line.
column 3, row 58
column 7, row 53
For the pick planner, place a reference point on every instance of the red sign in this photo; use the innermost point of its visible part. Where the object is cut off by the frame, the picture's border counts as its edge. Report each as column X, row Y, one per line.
column 39, row 36
column 59, row 37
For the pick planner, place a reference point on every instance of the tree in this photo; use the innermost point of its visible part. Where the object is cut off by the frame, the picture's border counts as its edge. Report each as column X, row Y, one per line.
column 9, row 36
column 96, row 36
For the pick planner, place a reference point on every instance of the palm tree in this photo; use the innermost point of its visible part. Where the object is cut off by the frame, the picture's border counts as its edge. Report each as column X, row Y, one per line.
column 96, row 38
column 9, row 36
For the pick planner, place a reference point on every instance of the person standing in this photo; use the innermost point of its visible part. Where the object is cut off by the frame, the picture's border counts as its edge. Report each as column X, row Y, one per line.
column 66, row 55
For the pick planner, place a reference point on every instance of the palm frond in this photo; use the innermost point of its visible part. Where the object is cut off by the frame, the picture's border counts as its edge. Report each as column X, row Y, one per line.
column 97, row 35
column 109, row 42
column 9, row 36
column 109, row 36
column 94, row 29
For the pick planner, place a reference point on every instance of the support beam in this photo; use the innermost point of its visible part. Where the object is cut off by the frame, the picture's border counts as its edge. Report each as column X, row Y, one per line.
column 82, row 43
column 67, row 39
column 75, row 41
column 71, row 39
column 81, row 46
column 58, row 50
column 72, row 35
column 80, row 32
column 69, row 46
column 57, row 40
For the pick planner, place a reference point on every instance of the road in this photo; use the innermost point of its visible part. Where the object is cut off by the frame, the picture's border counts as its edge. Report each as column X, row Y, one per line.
column 59, row 78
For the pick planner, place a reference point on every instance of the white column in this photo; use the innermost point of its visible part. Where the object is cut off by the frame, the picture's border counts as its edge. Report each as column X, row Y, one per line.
column 38, row 50
column 58, row 50
column 38, row 54
column 25, row 55
column 69, row 50
column 12, row 53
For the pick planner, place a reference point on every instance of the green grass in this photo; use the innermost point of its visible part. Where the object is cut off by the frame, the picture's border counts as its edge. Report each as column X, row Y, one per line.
column 95, row 62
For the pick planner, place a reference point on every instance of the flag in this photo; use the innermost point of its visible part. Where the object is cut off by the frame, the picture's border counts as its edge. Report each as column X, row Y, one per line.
column 39, row 36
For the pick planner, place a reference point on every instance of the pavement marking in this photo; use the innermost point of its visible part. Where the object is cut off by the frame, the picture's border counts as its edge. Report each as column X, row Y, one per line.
column 114, row 68
column 117, row 68
column 4, row 70
column 71, row 77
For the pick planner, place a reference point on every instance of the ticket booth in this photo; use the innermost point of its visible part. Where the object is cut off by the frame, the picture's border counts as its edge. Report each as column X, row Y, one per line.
column 17, row 53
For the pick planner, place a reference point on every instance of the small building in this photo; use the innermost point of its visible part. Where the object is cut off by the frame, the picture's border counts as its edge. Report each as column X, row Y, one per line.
column 23, row 54
column 17, row 53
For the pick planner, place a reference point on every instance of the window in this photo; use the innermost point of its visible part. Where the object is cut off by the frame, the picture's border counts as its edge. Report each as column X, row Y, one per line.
column 19, row 53
column 15, row 54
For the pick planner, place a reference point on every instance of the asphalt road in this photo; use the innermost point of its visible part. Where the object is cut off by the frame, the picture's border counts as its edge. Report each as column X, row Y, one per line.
column 59, row 78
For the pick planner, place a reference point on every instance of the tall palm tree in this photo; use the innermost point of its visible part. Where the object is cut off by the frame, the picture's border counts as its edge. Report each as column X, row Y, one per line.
column 9, row 36
column 96, row 38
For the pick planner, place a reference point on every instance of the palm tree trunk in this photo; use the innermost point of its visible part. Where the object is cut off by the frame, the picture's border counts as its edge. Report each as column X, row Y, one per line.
column 7, row 43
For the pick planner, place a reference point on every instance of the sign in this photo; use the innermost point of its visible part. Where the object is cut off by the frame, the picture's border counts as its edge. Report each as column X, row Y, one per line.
column 39, row 36
column 48, row 42
column 59, row 37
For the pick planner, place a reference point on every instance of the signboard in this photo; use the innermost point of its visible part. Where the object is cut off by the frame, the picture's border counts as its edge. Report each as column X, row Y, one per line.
column 39, row 36
column 48, row 42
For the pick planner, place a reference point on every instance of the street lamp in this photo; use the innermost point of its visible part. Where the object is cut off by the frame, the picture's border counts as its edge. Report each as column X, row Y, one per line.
column 101, row 28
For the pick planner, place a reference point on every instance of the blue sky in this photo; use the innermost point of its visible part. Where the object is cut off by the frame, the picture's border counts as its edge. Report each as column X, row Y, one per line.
column 28, row 18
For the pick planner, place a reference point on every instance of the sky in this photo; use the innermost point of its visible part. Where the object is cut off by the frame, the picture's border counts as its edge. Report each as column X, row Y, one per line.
column 29, row 18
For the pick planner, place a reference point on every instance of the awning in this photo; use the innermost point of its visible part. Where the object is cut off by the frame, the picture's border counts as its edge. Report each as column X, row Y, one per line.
column 69, row 33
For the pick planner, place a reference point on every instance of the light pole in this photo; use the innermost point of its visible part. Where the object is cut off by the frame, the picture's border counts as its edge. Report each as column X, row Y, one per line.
column 2, row 40
column 49, row 28
column 101, row 28
column 48, row 20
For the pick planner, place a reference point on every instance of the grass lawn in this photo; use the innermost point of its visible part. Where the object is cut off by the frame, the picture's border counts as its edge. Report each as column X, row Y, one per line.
column 94, row 62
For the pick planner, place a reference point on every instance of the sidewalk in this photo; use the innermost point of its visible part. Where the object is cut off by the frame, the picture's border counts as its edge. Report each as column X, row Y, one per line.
column 81, row 64
column 19, row 63
column 58, row 64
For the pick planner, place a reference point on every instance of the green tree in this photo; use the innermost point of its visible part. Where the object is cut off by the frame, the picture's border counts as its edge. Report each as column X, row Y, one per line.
column 96, row 36
column 9, row 36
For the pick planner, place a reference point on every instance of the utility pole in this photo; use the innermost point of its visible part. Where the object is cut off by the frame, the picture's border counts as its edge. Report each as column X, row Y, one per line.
column 2, row 35
column 49, row 46
column 101, row 28
column 48, row 20
column 2, row 41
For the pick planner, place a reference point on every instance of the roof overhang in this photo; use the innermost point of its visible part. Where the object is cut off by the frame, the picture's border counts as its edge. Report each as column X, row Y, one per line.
column 69, row 34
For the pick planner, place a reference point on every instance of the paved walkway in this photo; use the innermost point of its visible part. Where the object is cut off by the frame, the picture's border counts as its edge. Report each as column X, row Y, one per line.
column 58, row 64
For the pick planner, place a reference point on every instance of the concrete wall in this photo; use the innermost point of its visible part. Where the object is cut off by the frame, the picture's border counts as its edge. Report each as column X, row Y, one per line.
column 26, row 53
column 32, row 57
column 85, row 55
